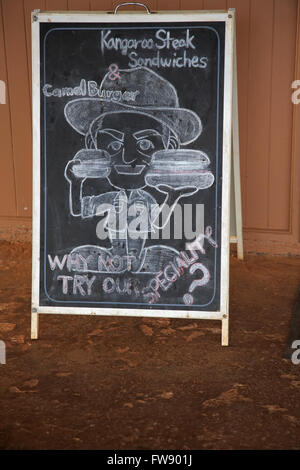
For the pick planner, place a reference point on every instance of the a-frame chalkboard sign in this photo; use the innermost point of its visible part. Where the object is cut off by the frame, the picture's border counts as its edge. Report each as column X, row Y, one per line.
column 134, row 122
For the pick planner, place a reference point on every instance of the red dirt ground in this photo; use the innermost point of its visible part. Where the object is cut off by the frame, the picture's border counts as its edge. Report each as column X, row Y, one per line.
column 136, row 383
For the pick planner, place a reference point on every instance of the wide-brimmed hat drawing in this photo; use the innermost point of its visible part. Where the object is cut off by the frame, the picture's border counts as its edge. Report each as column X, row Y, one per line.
column 153, row 96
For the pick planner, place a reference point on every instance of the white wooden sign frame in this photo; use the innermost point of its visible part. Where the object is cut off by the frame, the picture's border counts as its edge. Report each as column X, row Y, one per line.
column 230, row 136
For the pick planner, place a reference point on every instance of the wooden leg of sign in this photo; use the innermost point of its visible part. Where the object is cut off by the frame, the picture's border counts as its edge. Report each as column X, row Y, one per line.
column 236, row 160
column 225, row 330
column 34, row 325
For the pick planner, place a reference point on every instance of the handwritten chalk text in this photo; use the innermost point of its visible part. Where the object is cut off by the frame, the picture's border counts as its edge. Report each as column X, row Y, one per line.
column 89, row 88
column 162, row 41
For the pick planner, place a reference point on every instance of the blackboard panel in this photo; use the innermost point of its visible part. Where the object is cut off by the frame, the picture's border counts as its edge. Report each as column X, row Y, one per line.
column 131, row 125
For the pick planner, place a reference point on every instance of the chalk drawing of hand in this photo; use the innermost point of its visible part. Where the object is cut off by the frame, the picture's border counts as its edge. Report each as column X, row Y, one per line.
column 174, row 194
column 89, row 163
column 70, row 171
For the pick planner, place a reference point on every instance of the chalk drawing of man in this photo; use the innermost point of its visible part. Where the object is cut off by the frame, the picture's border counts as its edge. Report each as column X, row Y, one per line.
column 134, row 131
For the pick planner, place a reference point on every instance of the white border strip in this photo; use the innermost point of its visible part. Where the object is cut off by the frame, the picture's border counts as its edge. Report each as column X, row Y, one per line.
column 131, row 312
column 226, row 170
column 36, row 161
column 131, row 17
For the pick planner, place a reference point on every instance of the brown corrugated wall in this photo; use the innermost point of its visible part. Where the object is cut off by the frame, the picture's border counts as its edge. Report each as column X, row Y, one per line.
column 268, row 62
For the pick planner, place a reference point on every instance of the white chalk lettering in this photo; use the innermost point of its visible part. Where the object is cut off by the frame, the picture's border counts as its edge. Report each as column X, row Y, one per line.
column 123, row 45
column 89, row 283
column 162, row 41
column 92, row 89
column 79, row 90
column 78, row 284
column 175, row 61
column 65, row 282
column 108, row 285
column 57, row 262
column 127, row 286
column 165, row 41
column 176, row 268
